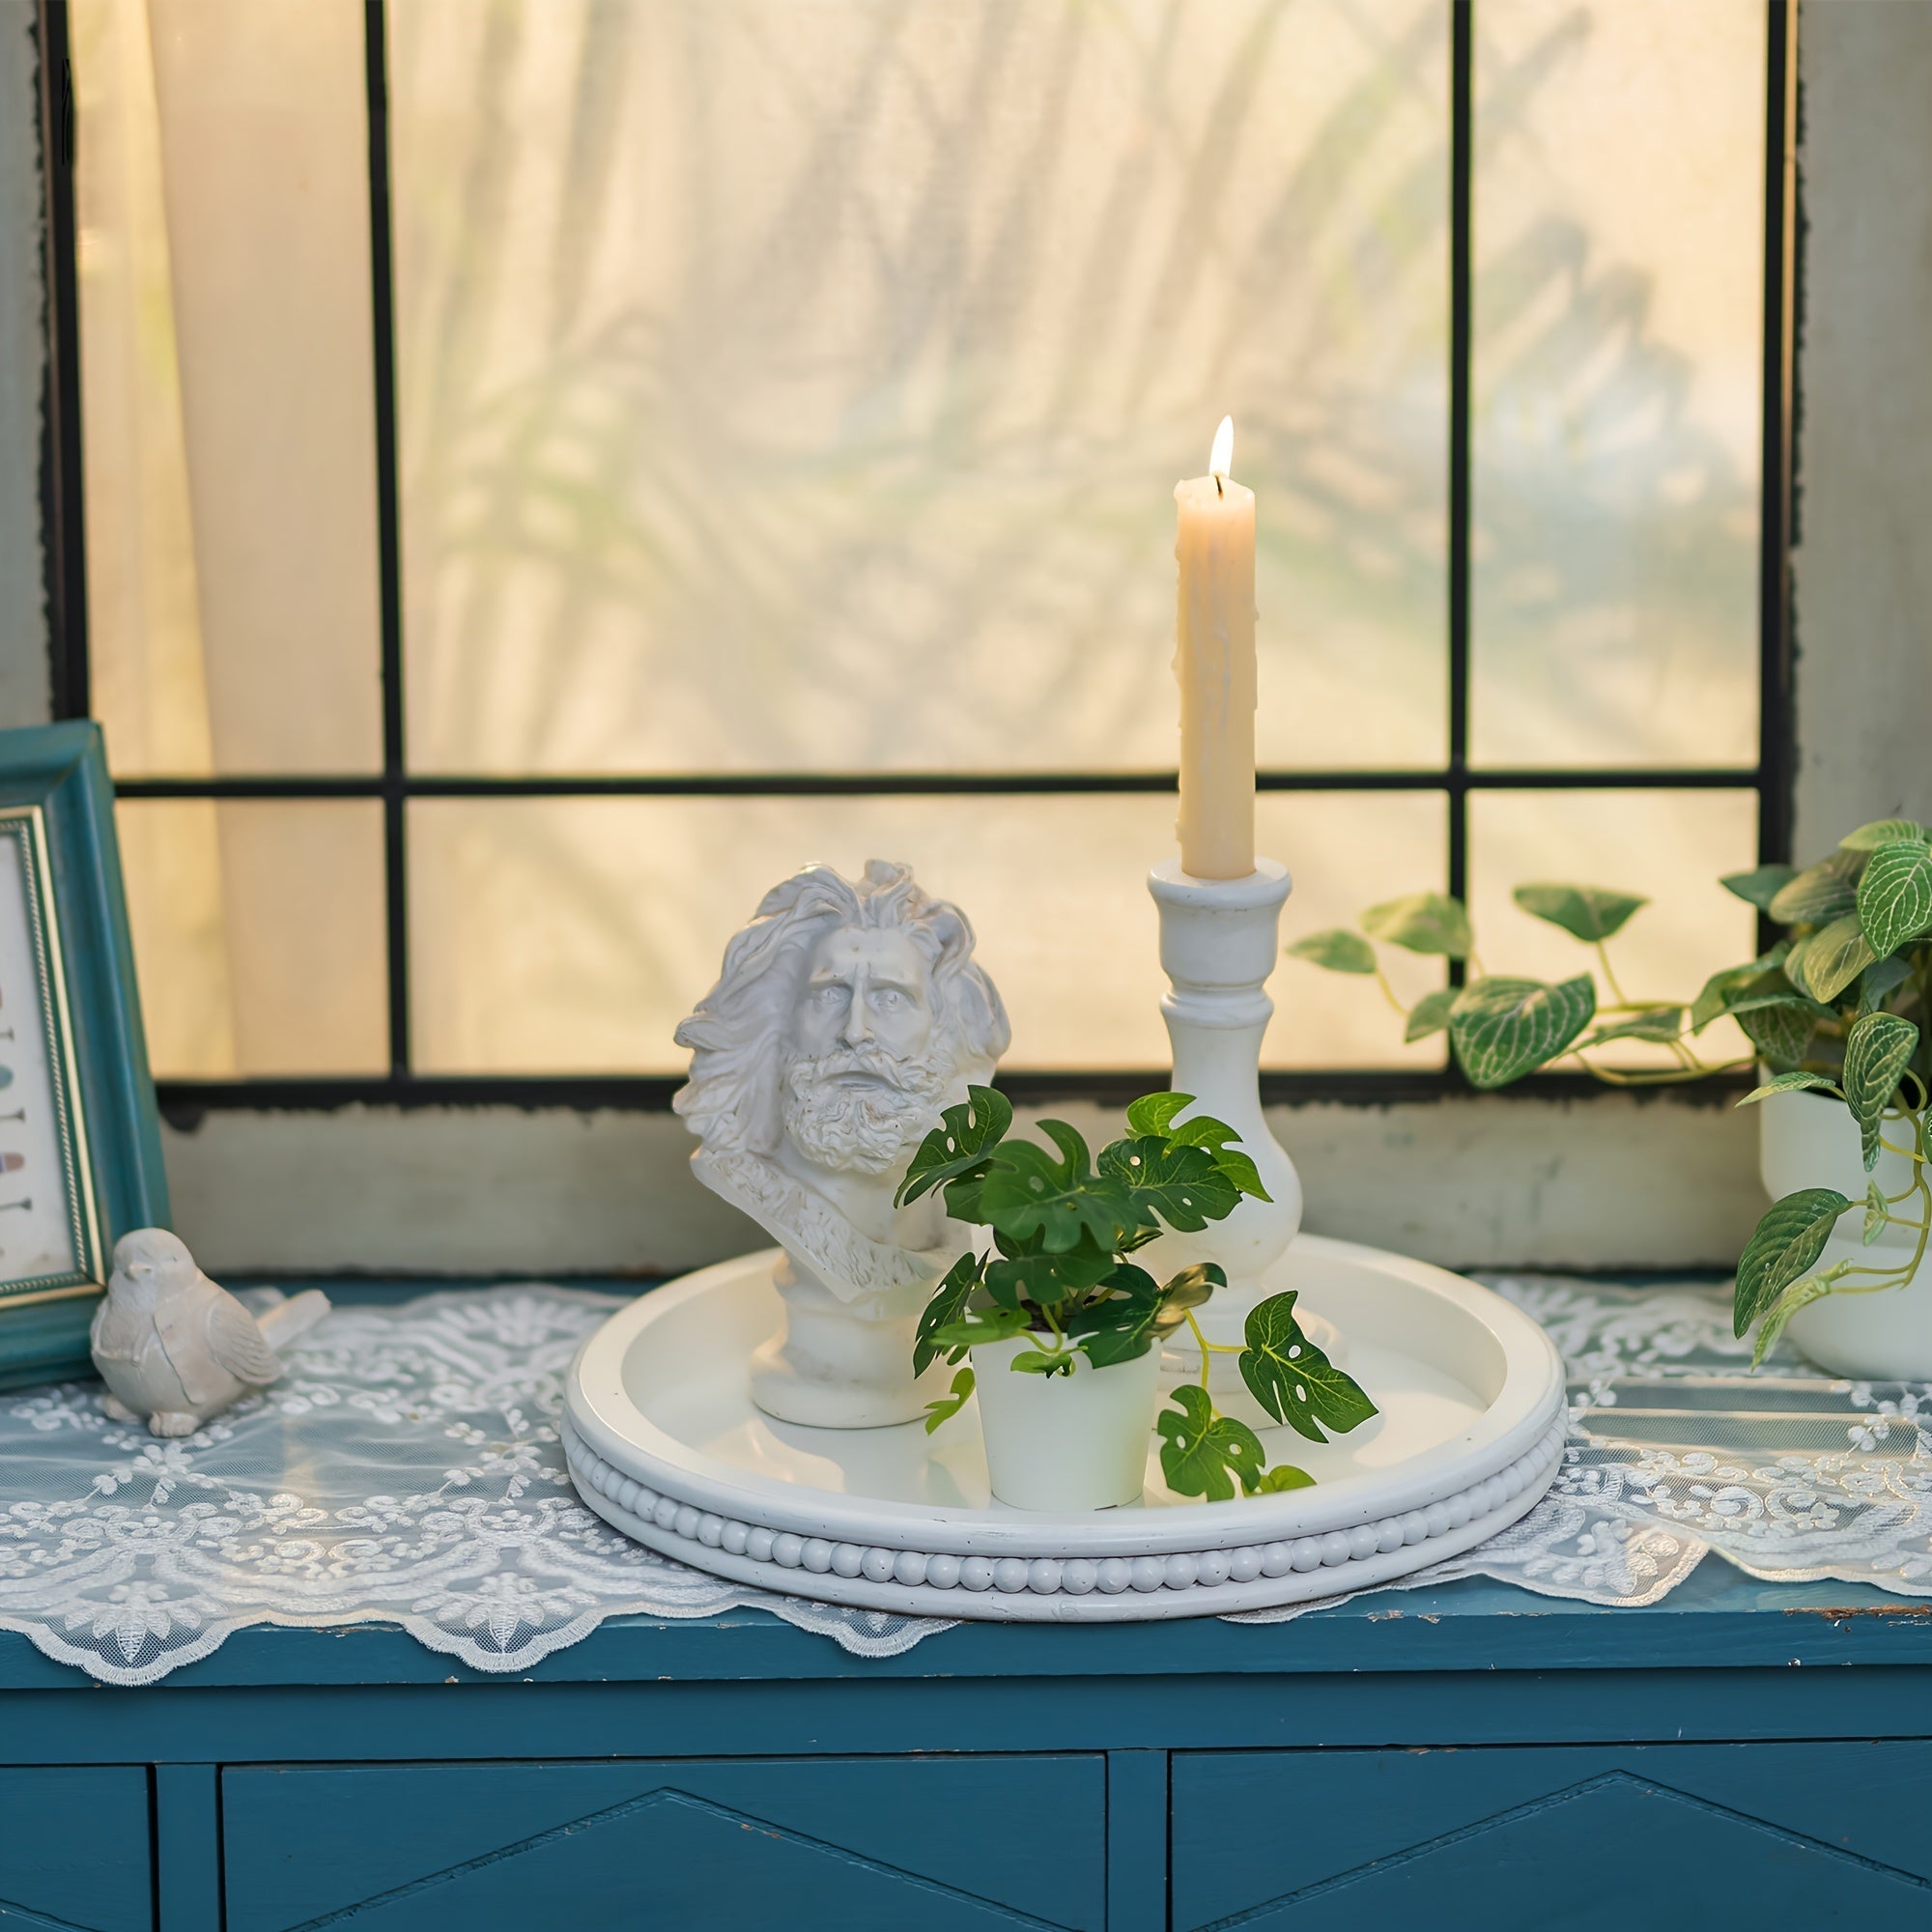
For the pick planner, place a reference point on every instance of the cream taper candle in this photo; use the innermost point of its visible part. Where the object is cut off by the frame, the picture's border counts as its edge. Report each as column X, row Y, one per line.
column 1214, row 660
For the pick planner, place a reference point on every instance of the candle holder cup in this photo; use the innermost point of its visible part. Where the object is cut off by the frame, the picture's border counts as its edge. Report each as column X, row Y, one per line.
column 1219, row 940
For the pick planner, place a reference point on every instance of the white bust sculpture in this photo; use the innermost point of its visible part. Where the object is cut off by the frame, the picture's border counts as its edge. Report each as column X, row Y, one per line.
column 845, row 1018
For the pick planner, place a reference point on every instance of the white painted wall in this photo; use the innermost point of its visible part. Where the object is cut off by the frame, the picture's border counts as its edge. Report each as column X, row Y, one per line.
column 1506, row 1180
column 1864, row 563
column 24, row 689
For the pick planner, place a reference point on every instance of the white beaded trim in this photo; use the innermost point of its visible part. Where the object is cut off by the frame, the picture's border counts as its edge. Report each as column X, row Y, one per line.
column 1051, row 1575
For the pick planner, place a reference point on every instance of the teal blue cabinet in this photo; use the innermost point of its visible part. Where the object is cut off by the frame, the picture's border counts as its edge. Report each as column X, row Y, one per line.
column 1594, row 1840
column 852, row 1843
column 74, row 1850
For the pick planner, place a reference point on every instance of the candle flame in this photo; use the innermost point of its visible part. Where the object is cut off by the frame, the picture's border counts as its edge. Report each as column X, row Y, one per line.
column 1221, row 462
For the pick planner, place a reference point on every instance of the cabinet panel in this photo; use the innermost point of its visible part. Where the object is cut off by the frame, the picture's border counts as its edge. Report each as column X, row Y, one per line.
column 972, row 1843
column 74, row 1848
column 1600, row 1837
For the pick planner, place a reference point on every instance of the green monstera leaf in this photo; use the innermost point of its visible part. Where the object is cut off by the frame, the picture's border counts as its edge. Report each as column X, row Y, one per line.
column 1588, row 913
column 1503, row 1029
column 1203, row 1454
column 1878, row 1049
column 1027, row 1193
column 957, row 1147
column 1422, row 922
column 1338, row 950
column 948, row 1305
column 1292, row 1379
column 1185, row 1185
column 948, row 1406
column 1789, row 1240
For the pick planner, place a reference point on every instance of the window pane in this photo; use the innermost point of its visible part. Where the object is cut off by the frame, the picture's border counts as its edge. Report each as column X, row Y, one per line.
column 801, row 387
column 229, row 415
column 571, row 935
column 1619, row 234
column 1670, row 847
column 258, row 935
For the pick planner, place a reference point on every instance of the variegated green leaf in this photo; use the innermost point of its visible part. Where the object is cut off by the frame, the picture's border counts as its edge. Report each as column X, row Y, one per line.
column 1660, row 1024
column 1790, row 1083
column 1423, row 922
column 1832, row 958
column 1338, row 950
column 1878, row 1049
column 1503, row 1029
column 1760, row 886
column 1588, row 913
column 1430, row 1014
column 1788, row 1239
column 1877, row 1213
column 1821, row 893
column 1882, row 831
column 1895, row 895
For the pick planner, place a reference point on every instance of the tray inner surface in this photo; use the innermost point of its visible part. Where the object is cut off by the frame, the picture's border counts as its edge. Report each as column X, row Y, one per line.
column 1431, row 1366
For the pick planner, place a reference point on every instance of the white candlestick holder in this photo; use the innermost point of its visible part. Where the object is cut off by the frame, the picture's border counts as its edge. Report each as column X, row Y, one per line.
column 1219, row 940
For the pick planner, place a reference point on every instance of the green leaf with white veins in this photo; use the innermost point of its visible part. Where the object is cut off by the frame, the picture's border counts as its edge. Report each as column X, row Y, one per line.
column 1422, row 922
column 1877, row 1212
column 1789, row 1083
column 1788, row 1239
column 1660, row 1024
column 1503, row 1029
column 1199, row 1451
column 1338, row 950
column 1821, row 893
column 1832, row 958
column 1588, row 913
column 1878, row 1049
column 1780, row 1028
column 1761, row 886
column 1292, row 1379
column 1895, row 895
column 1430, row 1014
column 1882, row 831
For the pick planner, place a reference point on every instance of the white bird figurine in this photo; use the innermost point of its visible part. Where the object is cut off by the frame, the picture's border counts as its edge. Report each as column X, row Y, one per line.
column 174, row 1346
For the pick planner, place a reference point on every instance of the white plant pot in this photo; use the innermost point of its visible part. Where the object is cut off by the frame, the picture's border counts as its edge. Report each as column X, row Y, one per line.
column 1066, row 1442
column 1809, row 1140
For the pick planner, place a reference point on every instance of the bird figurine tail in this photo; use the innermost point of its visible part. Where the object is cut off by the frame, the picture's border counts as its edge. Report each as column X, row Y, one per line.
column 287, row 1322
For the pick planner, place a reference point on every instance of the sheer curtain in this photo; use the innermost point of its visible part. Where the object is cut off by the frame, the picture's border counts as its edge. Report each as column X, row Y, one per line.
column 230, row 474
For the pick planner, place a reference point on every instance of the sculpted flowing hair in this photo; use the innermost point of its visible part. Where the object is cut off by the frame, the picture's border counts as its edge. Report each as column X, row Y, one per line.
column 737, row 1034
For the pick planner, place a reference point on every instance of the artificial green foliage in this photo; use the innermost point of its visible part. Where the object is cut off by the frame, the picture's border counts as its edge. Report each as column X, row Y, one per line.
column 1584, row 912
column 1292, row 1379
column 1836, row 1007
column 1064, row 1224
column 1338, row 950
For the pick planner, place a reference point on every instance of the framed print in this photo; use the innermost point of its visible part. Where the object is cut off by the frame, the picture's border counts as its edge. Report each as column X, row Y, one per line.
column 80, row 1151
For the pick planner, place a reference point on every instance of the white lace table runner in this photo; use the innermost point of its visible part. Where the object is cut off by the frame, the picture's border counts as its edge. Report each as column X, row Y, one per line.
column 407, row 1471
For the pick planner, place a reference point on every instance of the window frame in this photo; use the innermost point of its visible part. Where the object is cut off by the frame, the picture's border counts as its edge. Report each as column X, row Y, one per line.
column 396, row 786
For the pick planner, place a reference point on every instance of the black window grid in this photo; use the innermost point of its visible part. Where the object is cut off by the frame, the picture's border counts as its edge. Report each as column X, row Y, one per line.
column 395, row 785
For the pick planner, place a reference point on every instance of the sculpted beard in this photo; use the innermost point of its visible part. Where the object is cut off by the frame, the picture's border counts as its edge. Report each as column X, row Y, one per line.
column 870, row 1123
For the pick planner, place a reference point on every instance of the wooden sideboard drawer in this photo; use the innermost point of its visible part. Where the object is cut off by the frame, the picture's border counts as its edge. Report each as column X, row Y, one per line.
column 939, row 1842
column 74, row 1848
column 1586, row 1838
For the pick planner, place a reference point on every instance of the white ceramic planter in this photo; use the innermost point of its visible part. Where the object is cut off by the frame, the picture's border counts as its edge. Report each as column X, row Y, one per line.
column 1066, row 1442
column 1808, row 1140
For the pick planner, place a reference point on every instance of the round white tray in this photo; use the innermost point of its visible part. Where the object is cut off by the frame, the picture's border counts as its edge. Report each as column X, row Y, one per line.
column 664, row 1443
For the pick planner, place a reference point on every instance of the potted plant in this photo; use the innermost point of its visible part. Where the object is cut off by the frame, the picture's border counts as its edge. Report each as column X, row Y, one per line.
column 1835, row 1013
column 1062, row 1330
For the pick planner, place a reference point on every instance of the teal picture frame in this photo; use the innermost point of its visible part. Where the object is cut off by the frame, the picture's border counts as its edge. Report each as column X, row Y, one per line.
column 57, row 806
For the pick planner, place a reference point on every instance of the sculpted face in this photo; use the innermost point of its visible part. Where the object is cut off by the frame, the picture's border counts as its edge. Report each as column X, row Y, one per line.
column 865, row 1079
